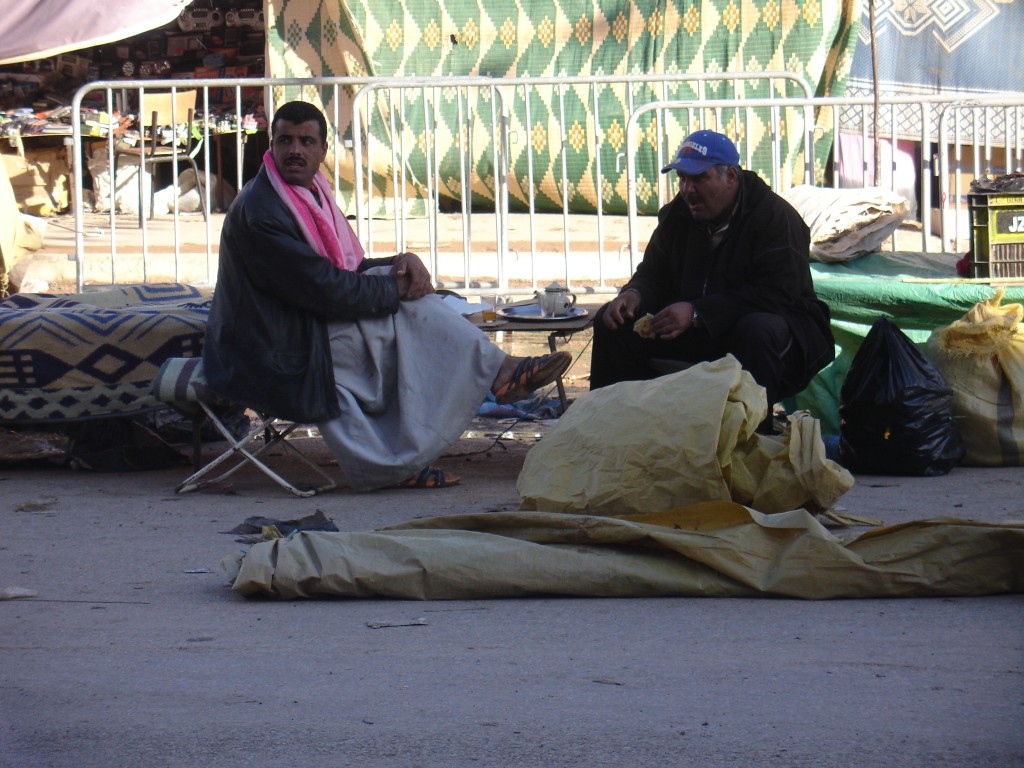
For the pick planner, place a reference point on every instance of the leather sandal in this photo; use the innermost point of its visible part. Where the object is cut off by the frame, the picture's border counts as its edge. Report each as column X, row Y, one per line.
column 530, row 374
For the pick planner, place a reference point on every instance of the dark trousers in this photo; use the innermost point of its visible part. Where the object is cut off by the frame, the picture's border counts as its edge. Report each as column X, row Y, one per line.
column 761, row 341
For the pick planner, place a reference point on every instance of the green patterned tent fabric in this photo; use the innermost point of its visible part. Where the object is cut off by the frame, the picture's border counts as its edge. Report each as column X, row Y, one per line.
column 553, row 38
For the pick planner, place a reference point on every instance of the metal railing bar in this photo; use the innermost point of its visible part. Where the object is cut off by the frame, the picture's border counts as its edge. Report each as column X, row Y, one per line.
column 988, row 126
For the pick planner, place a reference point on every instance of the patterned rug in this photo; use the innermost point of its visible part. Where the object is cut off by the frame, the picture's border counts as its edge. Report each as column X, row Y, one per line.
column 506, row 38
column 93, row 355
column 970, row 48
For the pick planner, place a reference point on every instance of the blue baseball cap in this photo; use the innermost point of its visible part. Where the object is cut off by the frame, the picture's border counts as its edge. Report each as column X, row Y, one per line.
column 702, row 150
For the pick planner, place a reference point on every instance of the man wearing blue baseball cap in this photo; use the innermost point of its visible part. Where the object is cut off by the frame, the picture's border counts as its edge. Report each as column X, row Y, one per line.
column 726, row 272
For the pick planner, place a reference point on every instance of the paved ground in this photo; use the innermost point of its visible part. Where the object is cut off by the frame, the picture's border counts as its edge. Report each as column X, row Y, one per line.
column 574, row 249
column 135, row 652
column 187, row 252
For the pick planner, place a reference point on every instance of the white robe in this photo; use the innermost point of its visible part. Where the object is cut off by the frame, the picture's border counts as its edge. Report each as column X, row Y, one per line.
column 408, row 385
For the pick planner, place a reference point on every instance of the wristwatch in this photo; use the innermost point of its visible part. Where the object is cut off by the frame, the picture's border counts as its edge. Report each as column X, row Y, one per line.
column 696, row 322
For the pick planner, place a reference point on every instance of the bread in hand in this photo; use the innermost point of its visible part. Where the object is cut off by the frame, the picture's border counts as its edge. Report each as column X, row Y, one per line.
column 645, row 326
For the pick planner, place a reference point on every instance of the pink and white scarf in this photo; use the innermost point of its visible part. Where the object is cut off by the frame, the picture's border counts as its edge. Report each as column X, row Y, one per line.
column 326, row 231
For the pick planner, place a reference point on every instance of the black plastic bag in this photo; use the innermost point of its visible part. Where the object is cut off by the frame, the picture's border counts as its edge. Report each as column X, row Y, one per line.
column 896, row 410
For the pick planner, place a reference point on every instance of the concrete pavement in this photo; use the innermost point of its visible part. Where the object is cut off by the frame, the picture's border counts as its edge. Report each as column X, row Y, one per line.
column 572, row 250
column 135, row 652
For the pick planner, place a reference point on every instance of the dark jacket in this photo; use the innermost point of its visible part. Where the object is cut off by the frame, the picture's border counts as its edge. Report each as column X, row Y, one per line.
column 266, row 344
column 761, row 265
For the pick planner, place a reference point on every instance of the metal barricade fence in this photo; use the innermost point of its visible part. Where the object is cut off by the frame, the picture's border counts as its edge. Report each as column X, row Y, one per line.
column 520, row 172
column 499, row 220
column 463, row 257
column 994, row 133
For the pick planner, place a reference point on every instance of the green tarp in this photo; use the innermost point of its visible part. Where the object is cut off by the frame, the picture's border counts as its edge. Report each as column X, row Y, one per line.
column 918, row 292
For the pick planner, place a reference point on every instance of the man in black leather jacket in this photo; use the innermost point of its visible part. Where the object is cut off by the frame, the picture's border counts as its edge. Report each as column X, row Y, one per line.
column 726, row 271
column 303, row 327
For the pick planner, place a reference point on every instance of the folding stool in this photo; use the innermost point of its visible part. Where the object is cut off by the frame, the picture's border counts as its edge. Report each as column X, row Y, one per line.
column 181, row 384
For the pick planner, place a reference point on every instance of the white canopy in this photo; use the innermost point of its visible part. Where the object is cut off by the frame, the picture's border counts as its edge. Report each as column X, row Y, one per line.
column 36, row 29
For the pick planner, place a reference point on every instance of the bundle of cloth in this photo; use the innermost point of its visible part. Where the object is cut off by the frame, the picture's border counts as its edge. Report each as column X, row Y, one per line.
column 688, row 499
column 847, row 223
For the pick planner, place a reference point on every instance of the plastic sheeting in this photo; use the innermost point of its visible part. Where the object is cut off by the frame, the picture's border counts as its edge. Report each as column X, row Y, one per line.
column 982, row 358
column 690, row 435
column 918, row 292
column 647, row 446
column 716, row 549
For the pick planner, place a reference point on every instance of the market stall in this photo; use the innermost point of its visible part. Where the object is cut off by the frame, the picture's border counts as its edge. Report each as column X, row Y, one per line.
column 49, row 49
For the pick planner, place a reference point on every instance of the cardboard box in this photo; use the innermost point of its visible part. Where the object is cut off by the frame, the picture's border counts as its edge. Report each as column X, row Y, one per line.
column 41, row 178
column 74, row 67
column 953, row 226
column 179, row 45
column 963, row 172
column 950, row 214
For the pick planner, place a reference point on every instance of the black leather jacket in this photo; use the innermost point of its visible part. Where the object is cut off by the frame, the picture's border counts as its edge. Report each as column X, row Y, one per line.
column 266, row 344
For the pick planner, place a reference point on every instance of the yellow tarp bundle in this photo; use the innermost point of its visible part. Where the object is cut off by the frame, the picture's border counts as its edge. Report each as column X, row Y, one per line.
column 981, row 357
column 717, row 549
column 648, row 446
column 652, row 448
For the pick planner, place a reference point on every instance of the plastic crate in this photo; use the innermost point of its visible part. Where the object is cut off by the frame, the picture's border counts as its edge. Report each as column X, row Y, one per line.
column 997, row 235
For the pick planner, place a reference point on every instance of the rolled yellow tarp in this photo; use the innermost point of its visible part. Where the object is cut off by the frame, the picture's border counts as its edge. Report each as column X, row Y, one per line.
column 717, row 549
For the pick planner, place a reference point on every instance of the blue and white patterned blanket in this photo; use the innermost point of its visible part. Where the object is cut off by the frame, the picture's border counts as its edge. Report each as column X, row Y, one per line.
column 94, row 355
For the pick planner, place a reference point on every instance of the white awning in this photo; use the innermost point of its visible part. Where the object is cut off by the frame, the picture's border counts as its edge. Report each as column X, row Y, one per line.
column 37, row 29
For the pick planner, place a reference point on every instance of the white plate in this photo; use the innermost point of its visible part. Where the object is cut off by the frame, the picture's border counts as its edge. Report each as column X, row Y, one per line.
column 531, row 312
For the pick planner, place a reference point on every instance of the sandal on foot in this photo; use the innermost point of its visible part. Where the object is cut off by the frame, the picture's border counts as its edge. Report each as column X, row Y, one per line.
column 430, row 477
column 532, row 373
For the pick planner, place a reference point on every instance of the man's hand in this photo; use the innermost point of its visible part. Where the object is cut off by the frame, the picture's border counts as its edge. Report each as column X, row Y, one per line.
column 673, row 320
column 622, row 309
column 412, row 276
